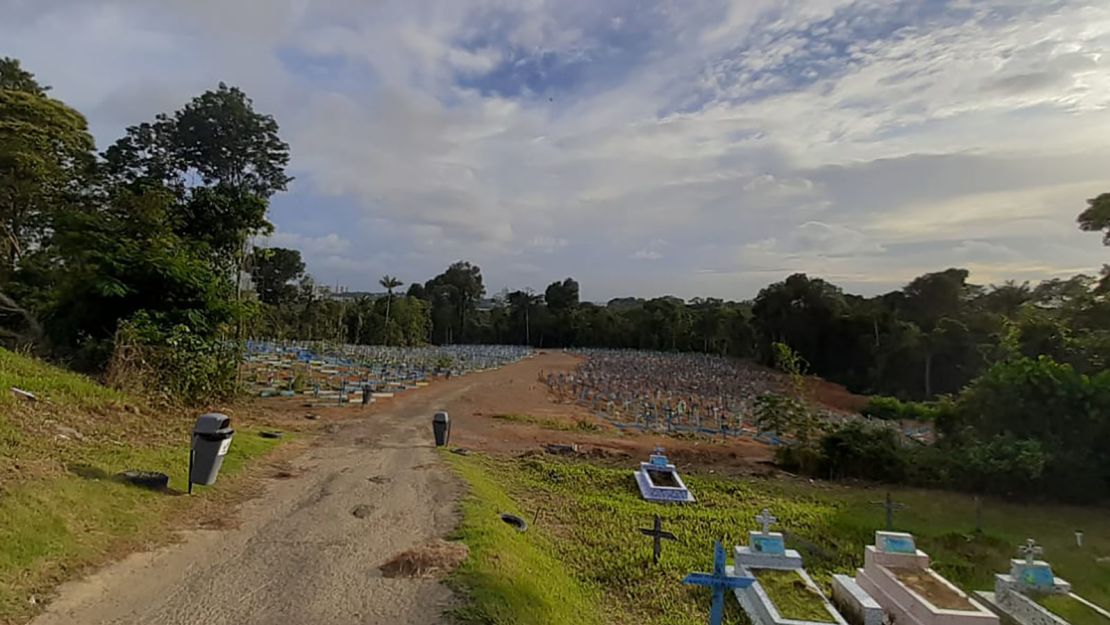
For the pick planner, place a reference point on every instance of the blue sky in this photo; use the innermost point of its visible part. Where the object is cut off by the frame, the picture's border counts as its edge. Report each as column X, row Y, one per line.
column 693, row 147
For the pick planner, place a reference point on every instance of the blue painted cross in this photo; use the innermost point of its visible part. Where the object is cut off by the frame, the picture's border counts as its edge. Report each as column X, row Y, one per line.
column 719, row 581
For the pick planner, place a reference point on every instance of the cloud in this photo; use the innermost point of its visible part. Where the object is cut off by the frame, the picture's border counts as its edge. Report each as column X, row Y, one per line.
column 863, row 140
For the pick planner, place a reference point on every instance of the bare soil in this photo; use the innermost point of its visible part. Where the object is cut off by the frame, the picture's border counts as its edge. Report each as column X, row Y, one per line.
column 932, row 589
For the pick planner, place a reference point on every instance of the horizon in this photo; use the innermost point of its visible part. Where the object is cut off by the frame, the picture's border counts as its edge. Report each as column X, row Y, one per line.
column 702, row 152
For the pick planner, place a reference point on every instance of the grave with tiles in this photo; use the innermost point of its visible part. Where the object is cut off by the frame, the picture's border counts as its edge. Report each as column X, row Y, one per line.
column 1030, row 594
column 658, row 480
column 896, row 581
column 783, row 593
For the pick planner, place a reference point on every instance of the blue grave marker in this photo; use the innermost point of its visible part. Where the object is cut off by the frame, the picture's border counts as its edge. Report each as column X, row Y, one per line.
column 718, row 581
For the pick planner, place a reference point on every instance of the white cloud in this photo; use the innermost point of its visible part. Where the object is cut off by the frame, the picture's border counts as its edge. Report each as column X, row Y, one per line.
column 737, row 138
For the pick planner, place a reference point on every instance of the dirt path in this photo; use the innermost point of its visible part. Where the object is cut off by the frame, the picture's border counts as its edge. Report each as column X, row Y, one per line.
column 301, row 554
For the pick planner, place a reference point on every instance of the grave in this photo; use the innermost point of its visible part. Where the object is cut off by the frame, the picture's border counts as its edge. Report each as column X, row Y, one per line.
column 658, row 480
column 783, row 593
column 896, row 576
column 1030, row 594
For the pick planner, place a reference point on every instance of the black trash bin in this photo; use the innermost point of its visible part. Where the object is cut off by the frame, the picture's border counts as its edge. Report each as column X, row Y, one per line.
column 441, row 425
column 366, row 394
column 211, row 440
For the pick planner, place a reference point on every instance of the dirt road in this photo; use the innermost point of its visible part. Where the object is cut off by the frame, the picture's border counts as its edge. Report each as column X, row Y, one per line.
column 309, row 549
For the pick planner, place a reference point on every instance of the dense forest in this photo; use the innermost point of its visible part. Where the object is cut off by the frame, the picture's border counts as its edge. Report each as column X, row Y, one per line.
column 138, row 264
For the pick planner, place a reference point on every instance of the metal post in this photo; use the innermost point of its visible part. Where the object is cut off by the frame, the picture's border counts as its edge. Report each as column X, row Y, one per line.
column 192, row 452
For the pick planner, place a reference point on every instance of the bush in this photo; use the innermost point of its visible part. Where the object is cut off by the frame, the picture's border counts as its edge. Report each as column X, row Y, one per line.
column 864, row 451
column 177, row 362
column 891, row 409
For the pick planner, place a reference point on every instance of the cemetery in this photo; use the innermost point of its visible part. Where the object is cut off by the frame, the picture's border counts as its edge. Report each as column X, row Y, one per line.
column 792, row 552
column 330, row 374
column 680, row 393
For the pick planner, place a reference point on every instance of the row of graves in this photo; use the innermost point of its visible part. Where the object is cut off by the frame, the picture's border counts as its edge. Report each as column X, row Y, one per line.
column 330, row 374
column 669, row 392
column 895, row 586
column 678, row 393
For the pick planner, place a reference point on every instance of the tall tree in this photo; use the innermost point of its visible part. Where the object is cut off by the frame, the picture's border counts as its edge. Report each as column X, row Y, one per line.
column 389, row 283
column 459, row 287
column 273, row 271
column 46, row 157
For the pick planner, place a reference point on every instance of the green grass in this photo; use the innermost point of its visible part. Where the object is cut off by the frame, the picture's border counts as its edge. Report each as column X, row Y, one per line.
column 791, row 596
column 589, row 517
column 52, row 526
column 51, row 384
column 510, row 577
column 559, row 425
column 1071, row 610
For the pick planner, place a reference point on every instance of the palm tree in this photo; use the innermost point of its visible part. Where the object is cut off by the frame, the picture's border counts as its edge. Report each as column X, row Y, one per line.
column 388, row 283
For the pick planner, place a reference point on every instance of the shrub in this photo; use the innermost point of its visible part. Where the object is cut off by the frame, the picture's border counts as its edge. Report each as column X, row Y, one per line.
column 891, row 408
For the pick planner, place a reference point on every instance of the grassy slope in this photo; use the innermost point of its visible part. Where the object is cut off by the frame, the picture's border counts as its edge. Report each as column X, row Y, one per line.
column 793, row 599
column 1072, row 611
column 510, row 577
column 590, row 517
column 59, row 508
column 51, row 384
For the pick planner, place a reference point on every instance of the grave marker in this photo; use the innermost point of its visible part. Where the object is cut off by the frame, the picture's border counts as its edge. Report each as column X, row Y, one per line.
column 889, row 506
column 658, row 535
column 718, row 581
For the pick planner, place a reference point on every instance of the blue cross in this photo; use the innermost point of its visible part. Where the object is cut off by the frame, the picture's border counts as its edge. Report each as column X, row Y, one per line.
column 719, row 581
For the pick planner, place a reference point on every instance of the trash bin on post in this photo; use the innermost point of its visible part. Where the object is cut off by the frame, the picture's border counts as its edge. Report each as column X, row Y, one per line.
column 365, row 394
column 441, row 425
column 211, row 440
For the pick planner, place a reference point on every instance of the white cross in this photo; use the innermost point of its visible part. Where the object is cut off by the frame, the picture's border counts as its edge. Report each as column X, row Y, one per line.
column 766, row 519
column 1031, row 550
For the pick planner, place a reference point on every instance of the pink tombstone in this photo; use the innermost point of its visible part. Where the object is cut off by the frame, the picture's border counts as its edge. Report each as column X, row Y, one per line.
column 897, row 576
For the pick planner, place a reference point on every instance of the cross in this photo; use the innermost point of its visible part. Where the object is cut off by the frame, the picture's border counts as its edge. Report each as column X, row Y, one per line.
column 719, row 581
column 658, row 535
column 890, row 507
column 766, row 519
column 1030, row 550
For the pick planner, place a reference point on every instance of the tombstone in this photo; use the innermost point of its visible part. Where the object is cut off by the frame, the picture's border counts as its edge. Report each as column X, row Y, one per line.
column 659, row 481
column 896, row 576
column 778, row 570
column 1019, row 596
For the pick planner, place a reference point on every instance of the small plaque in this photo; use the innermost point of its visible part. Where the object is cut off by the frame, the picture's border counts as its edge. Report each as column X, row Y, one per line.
column 768, row 543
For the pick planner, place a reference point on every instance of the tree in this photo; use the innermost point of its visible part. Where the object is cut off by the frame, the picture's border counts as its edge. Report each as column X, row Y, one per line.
column 273, row 271
column 799, row 312
column 46, row 156
column 218, row 136
column 457, row 289
column 14, row 78
column 561, row 296
column 1096, row 218
column 522, row 303
column 389, row 283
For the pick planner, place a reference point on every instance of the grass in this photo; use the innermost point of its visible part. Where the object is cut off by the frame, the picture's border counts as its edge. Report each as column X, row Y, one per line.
column 792, row 597
column 51, row 384
column 511, row 577
column 589, row 517
column 1071, row 610
column 558, row 425
column 61, row 509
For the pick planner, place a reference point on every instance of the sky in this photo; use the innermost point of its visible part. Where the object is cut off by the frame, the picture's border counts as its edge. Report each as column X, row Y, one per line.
column 644, row 147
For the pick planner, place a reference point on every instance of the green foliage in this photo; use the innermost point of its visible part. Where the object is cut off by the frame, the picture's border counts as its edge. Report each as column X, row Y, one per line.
column 891, row 408
column 864, row 451
column 273, row 269
column 791, row 596
column 52, row 384
column 510, row 577
column 174, row 361
column 1071, row 610
column 46, row 151
column 1096, row 218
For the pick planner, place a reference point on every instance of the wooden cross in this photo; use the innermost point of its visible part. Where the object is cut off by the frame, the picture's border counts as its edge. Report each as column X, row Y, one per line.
column 1031, row 550
column 719, row 581
column 890, row 506
column 766, row 519
column 658, row 536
